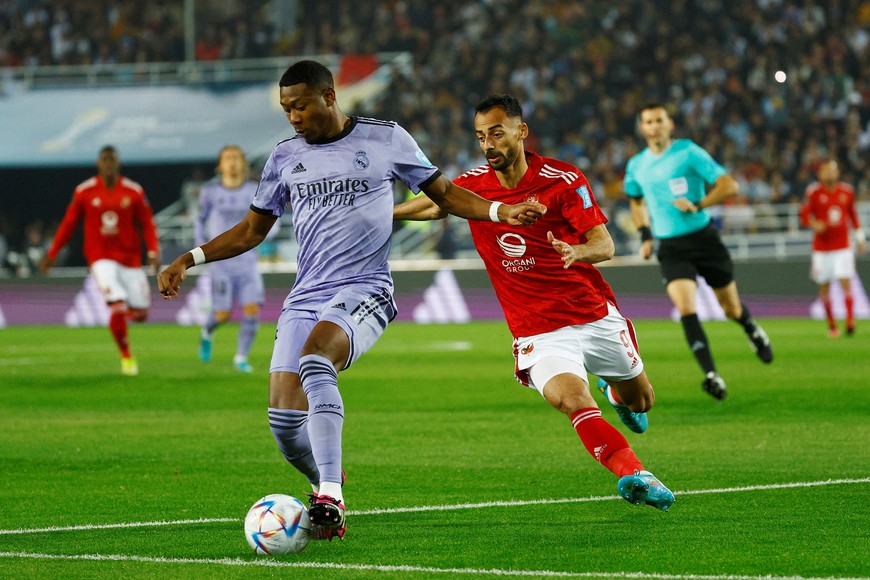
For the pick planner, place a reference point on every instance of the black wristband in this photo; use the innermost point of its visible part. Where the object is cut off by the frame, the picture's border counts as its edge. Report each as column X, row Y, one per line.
column 645, row 233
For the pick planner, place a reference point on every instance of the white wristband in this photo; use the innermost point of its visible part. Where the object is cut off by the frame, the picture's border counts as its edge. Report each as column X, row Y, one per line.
column 860, row 236
column 198, row 256
column 493, row 211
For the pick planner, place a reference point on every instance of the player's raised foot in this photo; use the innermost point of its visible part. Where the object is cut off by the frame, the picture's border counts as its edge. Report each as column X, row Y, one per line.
column 714, row 386
column 327, row 516
column 242, row 365
column 760, row 344
column 643, row 487
column 637, row 422
column 129, row 367
column 204, row 348
column 833, row 332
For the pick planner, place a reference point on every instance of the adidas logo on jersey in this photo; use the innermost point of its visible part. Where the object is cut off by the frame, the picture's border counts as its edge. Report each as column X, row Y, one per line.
column 340, row 305
column 299, row 168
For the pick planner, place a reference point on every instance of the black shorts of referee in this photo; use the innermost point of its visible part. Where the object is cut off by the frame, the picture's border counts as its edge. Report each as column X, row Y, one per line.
column 699, row 253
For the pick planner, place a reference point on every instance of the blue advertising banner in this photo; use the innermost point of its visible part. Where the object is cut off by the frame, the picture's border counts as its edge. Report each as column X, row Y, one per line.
column 159, row 124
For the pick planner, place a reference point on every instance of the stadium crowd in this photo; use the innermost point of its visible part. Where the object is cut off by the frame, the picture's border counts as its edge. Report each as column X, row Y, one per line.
column 581, row 70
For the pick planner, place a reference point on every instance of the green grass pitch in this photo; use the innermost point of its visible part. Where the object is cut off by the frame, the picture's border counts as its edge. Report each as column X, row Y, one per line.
column 773, row 482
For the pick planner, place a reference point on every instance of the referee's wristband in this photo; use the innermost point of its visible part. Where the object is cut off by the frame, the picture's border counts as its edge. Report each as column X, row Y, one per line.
column 493, row 211
column 645, row 233
column 198, row 256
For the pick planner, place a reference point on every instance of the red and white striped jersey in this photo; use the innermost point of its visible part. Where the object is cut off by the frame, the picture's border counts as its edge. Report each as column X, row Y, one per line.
column 535, row 292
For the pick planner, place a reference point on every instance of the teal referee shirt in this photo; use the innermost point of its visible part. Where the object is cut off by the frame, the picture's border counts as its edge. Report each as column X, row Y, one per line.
column 681, row 170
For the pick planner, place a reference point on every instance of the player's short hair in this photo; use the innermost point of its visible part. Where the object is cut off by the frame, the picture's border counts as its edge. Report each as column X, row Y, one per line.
column 652, row 105
column 508, row 102
column 309, row 72
column 228, row 147
column 110, row 148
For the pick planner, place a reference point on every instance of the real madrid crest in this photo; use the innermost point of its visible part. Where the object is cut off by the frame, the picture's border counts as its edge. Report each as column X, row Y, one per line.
column 361, row 160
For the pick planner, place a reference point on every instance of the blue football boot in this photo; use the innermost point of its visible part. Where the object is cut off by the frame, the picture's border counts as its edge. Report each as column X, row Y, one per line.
column 643, row 487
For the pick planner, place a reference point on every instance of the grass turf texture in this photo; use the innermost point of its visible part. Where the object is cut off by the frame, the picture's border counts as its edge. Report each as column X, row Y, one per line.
column 434, row 417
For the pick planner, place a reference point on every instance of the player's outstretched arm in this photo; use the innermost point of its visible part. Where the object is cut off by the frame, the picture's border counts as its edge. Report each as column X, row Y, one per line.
column 242, row 237
column 599, row 247
column 420, row 209
column 467, row 204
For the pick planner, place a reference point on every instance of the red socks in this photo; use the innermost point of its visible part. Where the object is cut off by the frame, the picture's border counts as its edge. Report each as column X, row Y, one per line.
column 829, row 312
column 118, row 327
column 604, row 442
column 850, row 310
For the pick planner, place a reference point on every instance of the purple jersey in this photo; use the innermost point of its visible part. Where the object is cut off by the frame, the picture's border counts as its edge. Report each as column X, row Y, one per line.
column 220, row 208
column 341, row 194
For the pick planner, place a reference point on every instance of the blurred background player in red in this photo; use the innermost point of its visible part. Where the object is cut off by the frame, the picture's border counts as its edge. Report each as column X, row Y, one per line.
column 117, row 218
column 829, row 209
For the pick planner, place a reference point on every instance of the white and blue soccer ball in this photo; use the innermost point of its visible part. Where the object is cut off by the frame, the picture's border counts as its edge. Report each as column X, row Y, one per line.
column 277, row 524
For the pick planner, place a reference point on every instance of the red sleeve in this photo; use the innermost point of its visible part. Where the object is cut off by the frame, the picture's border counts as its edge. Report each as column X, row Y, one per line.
column 805, row 214
column 806, row 209
column 580, row 207
column 853, row 212
column 146, row 222
column 67, row 226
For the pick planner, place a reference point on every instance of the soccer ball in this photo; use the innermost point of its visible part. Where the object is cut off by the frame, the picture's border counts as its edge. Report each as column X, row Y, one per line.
column 277, row 524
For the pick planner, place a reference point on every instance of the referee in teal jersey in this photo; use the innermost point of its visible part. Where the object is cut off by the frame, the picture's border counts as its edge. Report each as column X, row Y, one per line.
column 667, row 187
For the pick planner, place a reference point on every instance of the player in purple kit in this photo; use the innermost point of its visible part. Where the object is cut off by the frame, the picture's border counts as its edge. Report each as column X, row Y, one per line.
column 337, row 174
column 223, row 203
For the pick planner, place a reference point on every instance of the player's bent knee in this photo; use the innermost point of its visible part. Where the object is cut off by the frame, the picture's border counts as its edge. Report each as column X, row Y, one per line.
column 568, row 405
column 285, row 391
column 644, row 402
column 637, row 394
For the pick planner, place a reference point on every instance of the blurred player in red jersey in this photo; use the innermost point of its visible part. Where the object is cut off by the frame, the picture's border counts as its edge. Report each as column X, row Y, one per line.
column 829, row 209
column 561, row 312
column 116, row 217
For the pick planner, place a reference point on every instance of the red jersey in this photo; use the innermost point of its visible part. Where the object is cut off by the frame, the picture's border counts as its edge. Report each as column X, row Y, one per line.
column 115, row 222
column 835, row 207
column 536, row 293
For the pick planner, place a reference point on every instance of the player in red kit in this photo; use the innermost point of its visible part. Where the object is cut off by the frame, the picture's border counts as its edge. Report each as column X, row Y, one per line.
column 829, row 209
column 561, row 312
column 117, row 218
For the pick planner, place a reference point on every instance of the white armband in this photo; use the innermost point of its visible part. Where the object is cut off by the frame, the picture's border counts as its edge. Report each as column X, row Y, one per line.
column 493, row 211
column 860, row 236
column 198, row 256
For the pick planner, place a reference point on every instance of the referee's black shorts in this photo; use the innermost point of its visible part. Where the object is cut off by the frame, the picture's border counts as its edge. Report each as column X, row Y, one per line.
column 699, row 253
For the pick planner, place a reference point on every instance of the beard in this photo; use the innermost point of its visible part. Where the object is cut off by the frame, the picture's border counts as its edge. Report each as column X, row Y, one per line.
column 500, row 160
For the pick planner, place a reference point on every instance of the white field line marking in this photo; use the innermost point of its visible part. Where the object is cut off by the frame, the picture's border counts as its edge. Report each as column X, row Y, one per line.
column 266, row 563
column 113, row 526
column 377, row 511
column 463, row 506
